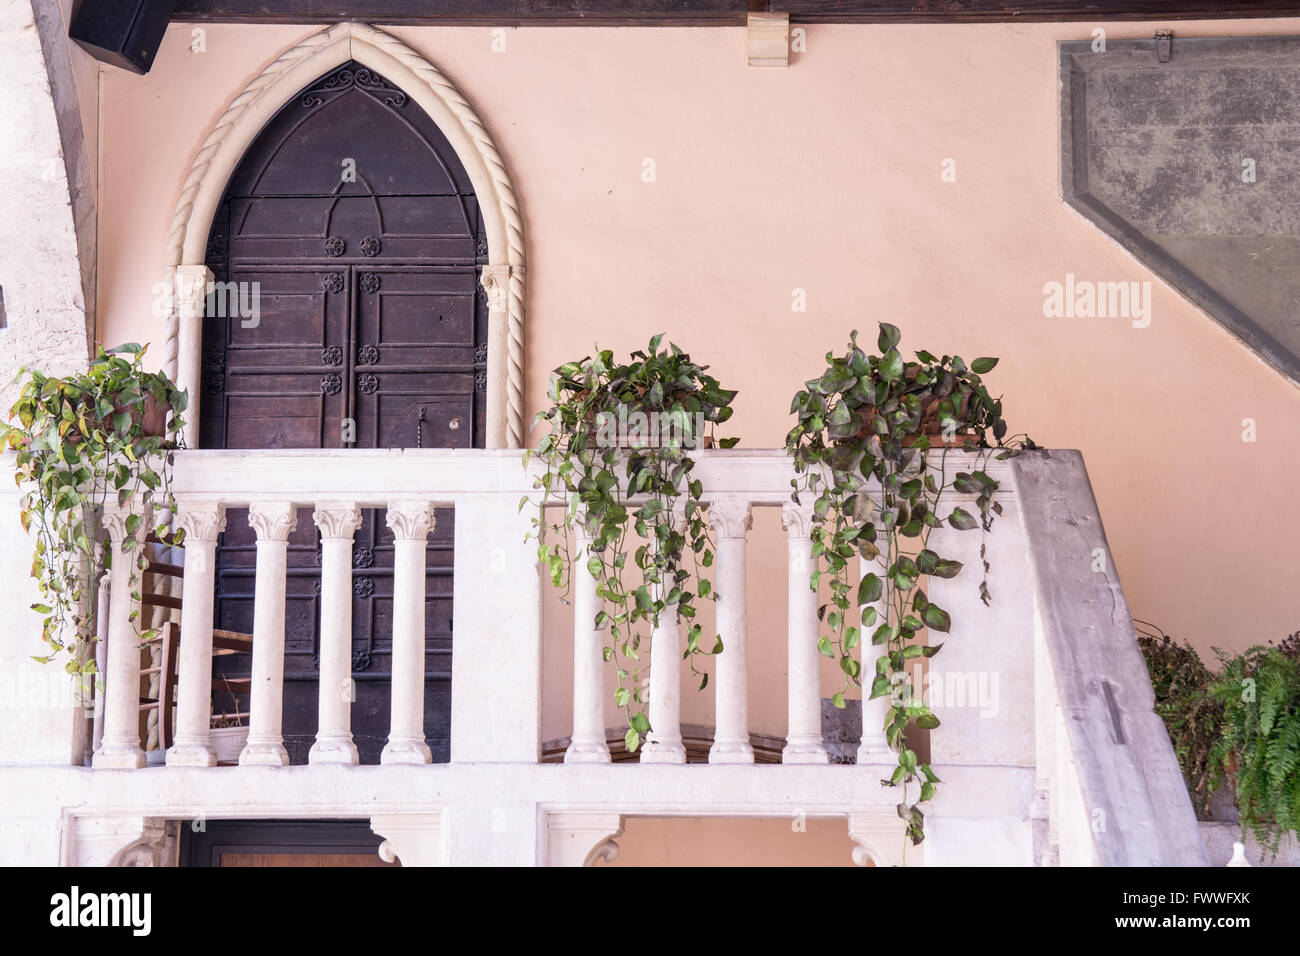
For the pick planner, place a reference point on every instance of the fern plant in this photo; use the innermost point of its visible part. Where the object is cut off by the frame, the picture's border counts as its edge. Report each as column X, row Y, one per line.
column 1260, row 692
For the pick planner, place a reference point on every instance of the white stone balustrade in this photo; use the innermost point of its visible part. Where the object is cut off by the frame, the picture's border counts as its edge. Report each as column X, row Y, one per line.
column 1010, row 759
column 803, row 742
column 202, row 523
column 588, row 742
column 273, row 522
column 410, row 522
column 731, row 521
column 664, row 743
column 120, row 746
column 338, row 522
column 873, row 748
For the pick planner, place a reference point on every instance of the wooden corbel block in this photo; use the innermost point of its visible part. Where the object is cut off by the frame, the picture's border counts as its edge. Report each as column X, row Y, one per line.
column 769, row 39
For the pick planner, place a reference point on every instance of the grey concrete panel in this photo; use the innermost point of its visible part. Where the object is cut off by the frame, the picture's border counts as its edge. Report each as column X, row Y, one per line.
column 1154, row 154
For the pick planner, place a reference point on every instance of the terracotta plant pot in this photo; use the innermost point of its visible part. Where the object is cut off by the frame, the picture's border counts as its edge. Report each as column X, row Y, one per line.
column 930, row 427
column 151, row 416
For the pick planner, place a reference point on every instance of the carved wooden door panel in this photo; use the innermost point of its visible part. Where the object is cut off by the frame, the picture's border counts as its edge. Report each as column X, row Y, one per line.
column 354, row 221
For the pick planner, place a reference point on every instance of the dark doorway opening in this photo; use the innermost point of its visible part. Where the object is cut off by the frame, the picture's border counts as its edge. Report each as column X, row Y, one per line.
column 352, row 231
column 246, row 843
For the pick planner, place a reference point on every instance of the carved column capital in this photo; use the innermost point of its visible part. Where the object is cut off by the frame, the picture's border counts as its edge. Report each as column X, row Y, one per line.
column 797, row 520
column 410, row 520
column 201, row 522
column 274, row 521
column 191, row 291
column 730, row 517
column 496, row 283
column 115, row 517
column 337, row 519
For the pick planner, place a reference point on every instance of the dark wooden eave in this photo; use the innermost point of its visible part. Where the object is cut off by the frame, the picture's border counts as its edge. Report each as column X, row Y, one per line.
column 716, row 12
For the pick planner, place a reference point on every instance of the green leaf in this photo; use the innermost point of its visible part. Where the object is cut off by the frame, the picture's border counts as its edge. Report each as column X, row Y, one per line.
column 982, row 365
column 946, row 569
column 889, row 337
column 837, row 700
column 927, row 721
column 870, row 589
column 936, row 618
column 961, row 520
column 884, row 634
column 891, row 366
column 824, row 645
column 837, row 379
column 631, row 740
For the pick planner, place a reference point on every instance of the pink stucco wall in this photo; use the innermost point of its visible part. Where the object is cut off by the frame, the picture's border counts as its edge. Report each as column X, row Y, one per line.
column 823, row 177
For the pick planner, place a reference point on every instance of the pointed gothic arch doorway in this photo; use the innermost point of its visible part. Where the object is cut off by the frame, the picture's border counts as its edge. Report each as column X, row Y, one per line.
column 352, row 217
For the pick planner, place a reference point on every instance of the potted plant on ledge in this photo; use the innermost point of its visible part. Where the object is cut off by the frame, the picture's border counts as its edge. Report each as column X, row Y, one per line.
column 869, row 445
column 619, row 456
column 79, row 438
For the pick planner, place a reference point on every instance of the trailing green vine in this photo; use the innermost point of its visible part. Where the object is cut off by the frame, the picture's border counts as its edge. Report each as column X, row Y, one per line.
column 861, row 449
column 79, row 438
column 618, row 456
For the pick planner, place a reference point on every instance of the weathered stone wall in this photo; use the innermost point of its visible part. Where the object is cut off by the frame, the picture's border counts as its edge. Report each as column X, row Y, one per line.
column 1191, row 165
column 47, row 197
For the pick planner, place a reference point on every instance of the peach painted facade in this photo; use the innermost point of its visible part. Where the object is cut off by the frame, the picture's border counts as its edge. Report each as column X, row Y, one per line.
column 822, row 178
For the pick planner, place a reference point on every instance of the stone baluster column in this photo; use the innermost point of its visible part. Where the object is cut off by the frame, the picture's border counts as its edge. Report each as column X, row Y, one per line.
column 273, row 524
column 731, row 521
column 120, row 747
column 803, row 742
column 202, row 523
column 874, row 747
column 663, row 743
column 338, row 522
column 410, row 522
column 588, row 744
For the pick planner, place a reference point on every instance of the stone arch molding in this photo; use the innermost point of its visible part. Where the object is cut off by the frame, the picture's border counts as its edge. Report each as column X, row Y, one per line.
column 234, row 132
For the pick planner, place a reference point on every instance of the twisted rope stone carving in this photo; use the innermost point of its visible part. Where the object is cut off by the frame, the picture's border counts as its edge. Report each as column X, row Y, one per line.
column 362, row 35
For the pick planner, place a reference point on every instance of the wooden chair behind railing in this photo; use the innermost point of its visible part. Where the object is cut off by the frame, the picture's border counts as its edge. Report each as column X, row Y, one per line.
column 167, row 643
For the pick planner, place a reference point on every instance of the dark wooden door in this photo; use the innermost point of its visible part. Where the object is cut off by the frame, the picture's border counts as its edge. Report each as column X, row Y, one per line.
column 356, row 224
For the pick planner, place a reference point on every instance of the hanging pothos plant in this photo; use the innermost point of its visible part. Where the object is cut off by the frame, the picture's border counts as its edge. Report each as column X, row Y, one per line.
column 80, row 438
column 619, row 457
column 862, row 450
